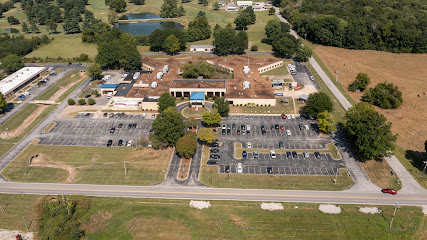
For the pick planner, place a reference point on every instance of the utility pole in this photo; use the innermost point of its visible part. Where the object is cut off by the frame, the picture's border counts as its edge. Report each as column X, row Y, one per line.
column 126, row 173
column 25, row 222
column 336, row 177
column 423, row 172
column 305, row 36
column 394, row 213
column 66, row 204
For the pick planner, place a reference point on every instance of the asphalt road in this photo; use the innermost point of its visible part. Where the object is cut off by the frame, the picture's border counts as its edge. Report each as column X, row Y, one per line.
column 204, row 193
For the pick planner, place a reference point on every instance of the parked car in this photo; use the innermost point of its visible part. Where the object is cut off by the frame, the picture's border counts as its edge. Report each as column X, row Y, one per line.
column 249, row 145
column 293, row 116
column 215, row 144
column 109, row 143
column 281, row 145
column 282, row 127
column 212, row 162
column 311, row 78
column 242, row 127
column 112, row 130
column 120, row 143
column 105, row 114
column 130, row 143
column 122, row 114
column 116, row 115
column 389, row 190
column 276, row 126
column 288, row 154
column 223, row 127
column 214, row 150
column 239, row 168
column 272, row 127
column 244, row 154
column 151, row 131
column 294, row 154
column 238, row 132
column 243, row 132
column 214, row 156
column 317, row 154
column 288, row 132
column 256, row 155
column 129, row 126
column 87, row 115
column 233, row 126
column 223, row 132
column 120, row 125
column 269, row 170
column 153, row 116
column 134, row 125
column 283, row 116
column 111, row 115
column 228, row 131
column 272, row 154
column 227, row 169
column 88, row 96
column 263, row 132
column 305, row 154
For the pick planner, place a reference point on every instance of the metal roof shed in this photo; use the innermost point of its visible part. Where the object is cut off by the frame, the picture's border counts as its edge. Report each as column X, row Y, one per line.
column 303, row 97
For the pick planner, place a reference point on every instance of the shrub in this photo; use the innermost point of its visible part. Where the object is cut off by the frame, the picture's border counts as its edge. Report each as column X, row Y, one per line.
column 384, row 95
column 82, row 101
column 91, row 101
column 71, row 101
column 360, row 83
column 257, row 105
column 254, row 48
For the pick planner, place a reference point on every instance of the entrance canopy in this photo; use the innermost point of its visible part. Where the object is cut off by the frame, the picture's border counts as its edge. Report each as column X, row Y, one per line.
column 197, row 96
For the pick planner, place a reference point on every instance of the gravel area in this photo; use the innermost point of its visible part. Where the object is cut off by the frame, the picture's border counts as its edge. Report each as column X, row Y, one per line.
column 371, row 210
column 329, row 209
column 11, row 234
column 200, row 204
column 272, row 206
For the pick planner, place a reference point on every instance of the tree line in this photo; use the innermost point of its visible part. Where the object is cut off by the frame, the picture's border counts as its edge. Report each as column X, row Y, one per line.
column 19, row 45
column 394, row 26
column 6, row 6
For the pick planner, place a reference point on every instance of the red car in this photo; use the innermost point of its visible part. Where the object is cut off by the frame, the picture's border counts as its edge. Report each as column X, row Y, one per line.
column 283, row 116
column 389, row 190
column 282, row 128
column 238, row 132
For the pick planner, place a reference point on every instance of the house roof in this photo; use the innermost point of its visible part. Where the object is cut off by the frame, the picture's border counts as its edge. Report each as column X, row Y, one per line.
column 197, row 96
column 304, row 97
column 202, row 46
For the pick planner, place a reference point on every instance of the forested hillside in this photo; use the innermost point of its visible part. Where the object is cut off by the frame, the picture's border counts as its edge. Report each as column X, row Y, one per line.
column 394, row 26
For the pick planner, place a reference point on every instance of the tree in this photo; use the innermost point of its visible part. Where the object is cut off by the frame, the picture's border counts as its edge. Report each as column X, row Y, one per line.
column 241, row 42
column 191, row 123
column 215, row 6
column 82, row 101
column 251, row 13
column 71, row 26
column 242, row 20
column 91, row 101
column 34, row 27
column 360, row 83
column 317, row 103
column 285, row 46
column 138, row 2
column 143, row 141
column 199, row 68
column 186, row 145
column 169, row 9
column 11, row 63
column 326, row 122
column 181, row 11
column 71, row 101
column 25, row 28
column 3, row 103
column 207, row 135
column 303, row 54
column 222, row 105
column 12, row 20
column 112, row 17
column 199, row 28
column 171, row 45
column 369, row 132
column 211, row 118
column 271, row 11
column 165, row 101
column 384, row 95
column 51, row 25
column 168, row 127
column 95, row 71
column 204, row 2
column 275, row 29
column 118, row 5
column 224, row 40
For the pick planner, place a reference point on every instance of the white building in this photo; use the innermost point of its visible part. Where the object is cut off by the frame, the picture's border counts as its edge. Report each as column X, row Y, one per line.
column 13, row 83
column 202, row 48
column 125, row 103
column 244, row 4
column 246, row 69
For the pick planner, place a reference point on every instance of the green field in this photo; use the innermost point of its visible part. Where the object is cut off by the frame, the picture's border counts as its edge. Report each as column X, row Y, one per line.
column 209, row 176
column 61, row 83
column 283, row 70
column 18, row 118
column 92, row 165
column 130, row 218
column 412, row 161
column 280, row 108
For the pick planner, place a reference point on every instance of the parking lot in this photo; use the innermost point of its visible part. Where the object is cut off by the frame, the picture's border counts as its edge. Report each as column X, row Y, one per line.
column 298, row 139
column 87, row 131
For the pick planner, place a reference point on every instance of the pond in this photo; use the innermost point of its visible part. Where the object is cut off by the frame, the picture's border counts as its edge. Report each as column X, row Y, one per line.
column 145, row 28
column 12, row 30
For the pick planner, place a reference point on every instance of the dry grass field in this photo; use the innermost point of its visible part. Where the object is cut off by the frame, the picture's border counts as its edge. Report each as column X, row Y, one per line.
column 407, row 71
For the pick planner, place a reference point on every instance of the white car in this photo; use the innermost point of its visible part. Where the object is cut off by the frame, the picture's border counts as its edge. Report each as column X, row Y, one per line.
column 293, row 116
column 248, row 127
column 249, row 145
column 239, row 168
column 272, row 154
column 129, row 143
column 289, row 117
column 311, row 78
column 288, row 132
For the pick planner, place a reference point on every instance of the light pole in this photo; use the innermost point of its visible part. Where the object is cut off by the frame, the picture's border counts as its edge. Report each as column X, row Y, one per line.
column 305, row 36
column 394, row 213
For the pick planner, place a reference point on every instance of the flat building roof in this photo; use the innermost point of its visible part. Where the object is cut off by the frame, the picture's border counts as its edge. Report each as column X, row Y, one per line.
column 18, row 78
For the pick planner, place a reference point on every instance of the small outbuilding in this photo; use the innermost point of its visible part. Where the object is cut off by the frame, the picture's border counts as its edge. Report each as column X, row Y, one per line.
column 202, row 48
column 303, row 98
column 285, row 100
column 277, row 83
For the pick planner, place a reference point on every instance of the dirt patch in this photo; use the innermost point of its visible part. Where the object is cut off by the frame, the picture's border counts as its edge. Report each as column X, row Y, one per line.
column 151, row 227
column 43, row 161
column 17, row 131
column 369, row 210
column 272, row 206
column 11, row 234
column 184, row 169
column 424, row 209
column 97, row 222
column 332, row 209
column 239, row 222
column 407, row 71
column 200, row 204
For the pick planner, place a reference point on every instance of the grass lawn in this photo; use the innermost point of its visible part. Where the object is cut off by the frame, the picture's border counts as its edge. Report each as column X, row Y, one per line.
column 92, row 165
column 18, row 118
column 278, row 109
column 412, row 161
column 379, row 173
column 189, row 112
column 61, row 83
column 209, row 175
column 70, row 90
column 130, row 218
column 283, row 70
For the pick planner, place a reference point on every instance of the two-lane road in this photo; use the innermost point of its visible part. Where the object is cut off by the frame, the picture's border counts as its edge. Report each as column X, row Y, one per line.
column 205, row 193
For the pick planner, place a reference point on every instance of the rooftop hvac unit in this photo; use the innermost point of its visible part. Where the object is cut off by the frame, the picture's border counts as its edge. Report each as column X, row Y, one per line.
column 159, row 75
column 136, row 75
column 165, row 69
column 154, row 85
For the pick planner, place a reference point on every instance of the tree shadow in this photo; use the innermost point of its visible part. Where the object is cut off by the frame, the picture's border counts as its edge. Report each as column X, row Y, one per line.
column 416, row 158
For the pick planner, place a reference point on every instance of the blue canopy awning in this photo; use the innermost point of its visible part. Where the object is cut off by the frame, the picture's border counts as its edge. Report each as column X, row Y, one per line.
column 197, row 96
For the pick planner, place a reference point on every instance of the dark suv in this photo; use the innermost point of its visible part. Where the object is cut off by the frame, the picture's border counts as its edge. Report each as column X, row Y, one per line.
column 214, row 156
column 110, row 142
